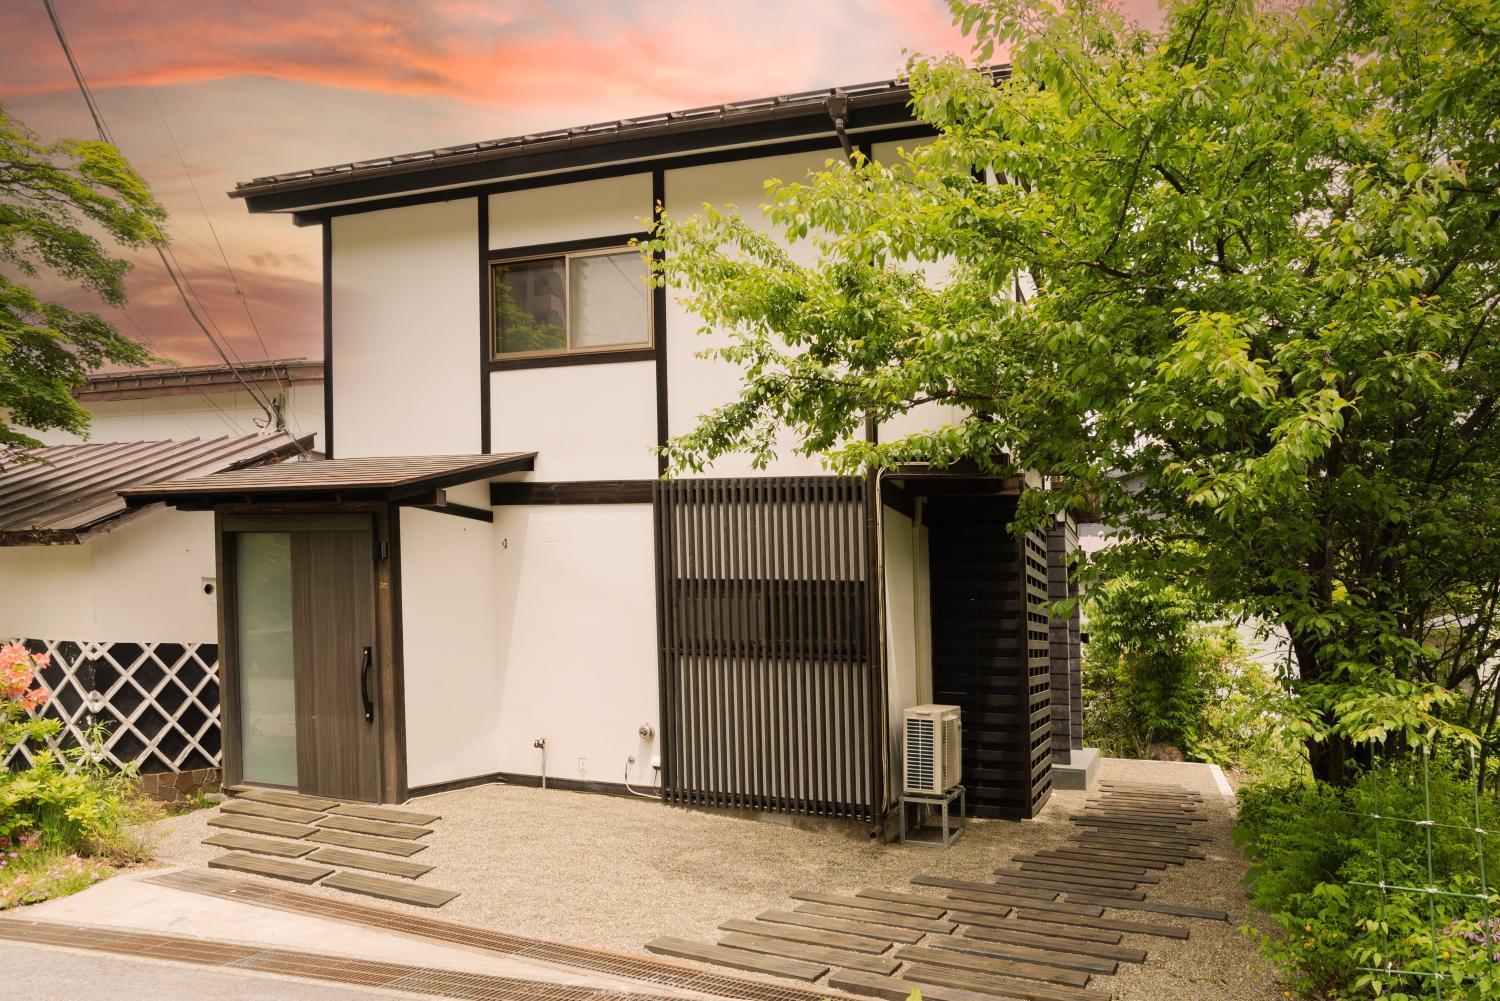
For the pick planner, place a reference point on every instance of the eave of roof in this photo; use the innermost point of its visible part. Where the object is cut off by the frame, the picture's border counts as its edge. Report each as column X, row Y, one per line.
column 175, row 380
column 72, row 494
column 867, row 106
column 386, row 478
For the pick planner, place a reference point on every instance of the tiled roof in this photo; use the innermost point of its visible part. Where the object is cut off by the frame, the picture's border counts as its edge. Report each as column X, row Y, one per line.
column 625, row 133
column 71, row 494
column 179, row 380
column 389, row 478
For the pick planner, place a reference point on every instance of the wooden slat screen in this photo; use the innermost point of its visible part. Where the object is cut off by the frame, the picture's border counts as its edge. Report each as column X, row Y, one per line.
column 769, row 665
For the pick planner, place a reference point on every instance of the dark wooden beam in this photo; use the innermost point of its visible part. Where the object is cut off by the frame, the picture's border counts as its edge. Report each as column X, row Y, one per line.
column 576, row 492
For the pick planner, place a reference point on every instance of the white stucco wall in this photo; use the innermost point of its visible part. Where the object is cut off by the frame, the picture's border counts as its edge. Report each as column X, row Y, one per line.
column 579, row 211
column 698, row 385
column 405, row 331
column 575, row 616
column 141, row 583
column 908, row 623
column 452, row 679
column 585, row 422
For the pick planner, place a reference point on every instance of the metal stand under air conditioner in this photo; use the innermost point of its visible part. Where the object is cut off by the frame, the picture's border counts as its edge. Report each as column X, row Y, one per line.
column 943, row 802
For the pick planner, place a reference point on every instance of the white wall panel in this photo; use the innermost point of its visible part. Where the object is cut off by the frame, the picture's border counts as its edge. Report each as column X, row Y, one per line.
column 405, row 322
column 578, row 211
column 575, row 613
column 697, row 385
column 907, row 622
column 142, row 582
column 585, row 422
column 452, row 679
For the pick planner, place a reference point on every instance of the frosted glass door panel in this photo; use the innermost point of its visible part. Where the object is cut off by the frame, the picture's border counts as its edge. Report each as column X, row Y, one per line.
column 268, row 715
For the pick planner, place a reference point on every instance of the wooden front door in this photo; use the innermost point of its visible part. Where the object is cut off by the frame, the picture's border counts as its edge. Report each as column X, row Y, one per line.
column 333, row 630
column 301, row 654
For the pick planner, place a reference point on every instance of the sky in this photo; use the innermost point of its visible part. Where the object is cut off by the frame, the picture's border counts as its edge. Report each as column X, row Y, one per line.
column 200, row 94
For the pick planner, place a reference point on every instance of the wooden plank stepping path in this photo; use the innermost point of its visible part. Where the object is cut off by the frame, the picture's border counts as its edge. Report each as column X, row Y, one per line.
column 390, row 889
column 339, row 845
column 260, row 865
column 1040, row 929
column 359, row 860
column 259, row 846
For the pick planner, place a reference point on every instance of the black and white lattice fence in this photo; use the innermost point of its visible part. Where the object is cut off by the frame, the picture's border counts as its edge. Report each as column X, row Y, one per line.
column 158, row 702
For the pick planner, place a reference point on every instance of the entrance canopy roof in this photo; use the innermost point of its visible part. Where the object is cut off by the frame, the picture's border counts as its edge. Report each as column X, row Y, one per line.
column 412, row 479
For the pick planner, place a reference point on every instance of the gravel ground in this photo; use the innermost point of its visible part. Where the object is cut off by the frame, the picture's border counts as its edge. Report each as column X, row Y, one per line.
column 614, row 872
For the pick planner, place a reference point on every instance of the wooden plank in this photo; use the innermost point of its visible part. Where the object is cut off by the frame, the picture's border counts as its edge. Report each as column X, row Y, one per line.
column 384, row 813
column 946, row 883
column 364, row 842
column 1082, row 853
column 260, row 865
column 1177, row 910
column 931, row 910
column 1140, row 853
column 1112, row 924
column 278, row 797
column 1018, row 901
column 1046, row 940
column 885, row 933
column 736, row 959
column 923, row 899
column 893, row 989
column 1026, row 954
column 992, row 890
column 260, row 825
column 944, row 976
column 359, row 825
column 809, row 952
column 374, row 863
column 1167, row 814
column 258, row 846
column 875, row 917
column 1066, row 886
column 983, row 907
column 1043, row 867
column 250, row 808
column 390, row 889
column 1135, row 872
column 796, row 933
column 990, row 965
column 1102, row 935
column 1128, row 829
column 1019, row 878
column 1140, row 838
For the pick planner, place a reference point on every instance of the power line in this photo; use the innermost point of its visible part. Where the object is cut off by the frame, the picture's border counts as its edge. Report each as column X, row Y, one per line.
column 162, row 247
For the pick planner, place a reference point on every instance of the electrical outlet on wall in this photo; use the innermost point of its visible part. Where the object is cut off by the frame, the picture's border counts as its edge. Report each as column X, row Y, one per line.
column 583, row 768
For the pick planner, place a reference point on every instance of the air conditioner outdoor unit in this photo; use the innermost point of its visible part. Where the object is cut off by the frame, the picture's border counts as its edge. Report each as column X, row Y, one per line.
column 932, row 748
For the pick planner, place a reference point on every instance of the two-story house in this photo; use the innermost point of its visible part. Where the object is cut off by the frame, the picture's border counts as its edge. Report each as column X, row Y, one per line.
column 490, row 580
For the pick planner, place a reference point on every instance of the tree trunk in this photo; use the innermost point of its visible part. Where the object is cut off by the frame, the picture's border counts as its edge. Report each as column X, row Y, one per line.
column 1333, row 759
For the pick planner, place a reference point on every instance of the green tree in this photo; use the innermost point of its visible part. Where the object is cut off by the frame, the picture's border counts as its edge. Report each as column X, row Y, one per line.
column 54, row 199
column 1236, row 290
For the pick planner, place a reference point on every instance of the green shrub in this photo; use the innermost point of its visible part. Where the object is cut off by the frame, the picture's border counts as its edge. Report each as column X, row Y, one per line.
column 1158, row 674
column 67, row 817
column 1311, row 846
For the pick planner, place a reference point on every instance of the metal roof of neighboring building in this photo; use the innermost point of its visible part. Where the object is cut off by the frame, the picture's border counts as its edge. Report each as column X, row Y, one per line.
column 865, row 105
column 71, row 495
column 176, row 380
column 385, row 478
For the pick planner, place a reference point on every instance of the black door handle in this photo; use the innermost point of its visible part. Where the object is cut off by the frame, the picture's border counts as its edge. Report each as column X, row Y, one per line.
column 364, row 687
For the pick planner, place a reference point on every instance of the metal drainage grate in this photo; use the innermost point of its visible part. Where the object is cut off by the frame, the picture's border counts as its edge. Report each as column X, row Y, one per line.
column 307, row 965
column 638, row 968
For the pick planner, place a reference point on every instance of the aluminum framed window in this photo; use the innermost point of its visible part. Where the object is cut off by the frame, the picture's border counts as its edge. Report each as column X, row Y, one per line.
column 587, row 302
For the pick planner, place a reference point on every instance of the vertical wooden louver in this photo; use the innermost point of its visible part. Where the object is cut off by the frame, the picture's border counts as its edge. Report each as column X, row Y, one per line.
column 990, row 653
column 1067, row 686
column 770, row 685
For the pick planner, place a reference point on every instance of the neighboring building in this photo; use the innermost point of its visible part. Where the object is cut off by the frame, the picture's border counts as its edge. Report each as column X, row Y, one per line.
column 123, row 599
column 200, row 401
column 489, row 580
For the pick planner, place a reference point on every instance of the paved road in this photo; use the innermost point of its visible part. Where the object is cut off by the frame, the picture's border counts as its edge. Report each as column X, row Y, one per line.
column 40, row 973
